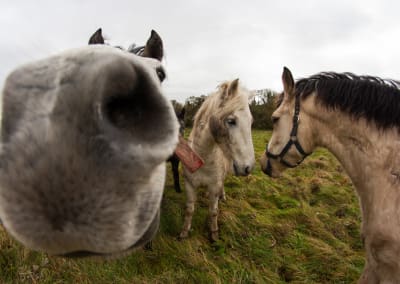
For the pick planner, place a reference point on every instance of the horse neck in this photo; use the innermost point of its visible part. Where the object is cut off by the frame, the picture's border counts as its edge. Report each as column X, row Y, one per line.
column 201, row 139
column 369, row 156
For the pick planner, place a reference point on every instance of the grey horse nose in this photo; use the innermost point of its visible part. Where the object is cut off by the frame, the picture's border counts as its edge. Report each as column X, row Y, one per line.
column 247, row 170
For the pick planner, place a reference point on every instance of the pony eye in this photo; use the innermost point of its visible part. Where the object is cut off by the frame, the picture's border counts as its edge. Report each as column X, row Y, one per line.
column 160, row 74
column 275, row 119
column 231, row 121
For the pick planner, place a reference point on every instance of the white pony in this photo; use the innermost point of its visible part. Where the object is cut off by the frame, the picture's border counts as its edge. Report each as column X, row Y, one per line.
column 221, row 135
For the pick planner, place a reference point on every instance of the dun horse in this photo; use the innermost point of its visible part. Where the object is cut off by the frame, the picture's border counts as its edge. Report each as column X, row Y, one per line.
column 85, row 135
column 221, row 135
column 358, row 119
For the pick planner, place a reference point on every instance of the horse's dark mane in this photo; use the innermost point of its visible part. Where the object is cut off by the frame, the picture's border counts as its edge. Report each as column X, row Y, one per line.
column 375, row 99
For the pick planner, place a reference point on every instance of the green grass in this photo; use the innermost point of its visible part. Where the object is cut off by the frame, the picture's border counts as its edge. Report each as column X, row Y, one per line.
column 301, row 228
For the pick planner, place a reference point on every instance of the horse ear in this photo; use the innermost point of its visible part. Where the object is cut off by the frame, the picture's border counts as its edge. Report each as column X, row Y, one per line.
column 228, row 89
column 154, row 47
column 288, row 82
column 233, row 87
column 223, row 91
column 97, row 37
column 181, row 115
column 218, row 131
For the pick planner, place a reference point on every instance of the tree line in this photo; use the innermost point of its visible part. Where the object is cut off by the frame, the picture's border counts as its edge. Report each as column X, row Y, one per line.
column 262, row 106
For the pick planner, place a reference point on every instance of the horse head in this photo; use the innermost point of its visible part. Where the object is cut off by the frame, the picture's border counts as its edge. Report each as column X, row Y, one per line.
column 290, row 134
column 85, row 136
column 230, row 126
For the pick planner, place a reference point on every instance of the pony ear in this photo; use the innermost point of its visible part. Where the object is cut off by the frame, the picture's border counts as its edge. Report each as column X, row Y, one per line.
column 228, row 89
column 218, row 131
column 97, row 37
column 288, row 82
column 233, row 87
column 154, row 47
column 223, row 88
column 223, row 91
column 181, row 115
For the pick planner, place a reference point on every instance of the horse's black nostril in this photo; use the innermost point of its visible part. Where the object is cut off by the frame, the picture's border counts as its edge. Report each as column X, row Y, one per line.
column 247, row 170
column 268, row 170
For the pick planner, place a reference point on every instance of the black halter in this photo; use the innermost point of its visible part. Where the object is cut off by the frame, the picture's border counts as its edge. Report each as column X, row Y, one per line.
column 293, row 140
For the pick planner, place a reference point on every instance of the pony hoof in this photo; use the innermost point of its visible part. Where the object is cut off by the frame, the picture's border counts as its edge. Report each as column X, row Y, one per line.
column 183, row 235
column 214, row 236
column 148, row 246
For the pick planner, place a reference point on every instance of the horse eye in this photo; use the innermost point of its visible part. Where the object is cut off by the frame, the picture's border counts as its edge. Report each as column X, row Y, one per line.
column 160, row 74
column 231, row 122
column 275, row 119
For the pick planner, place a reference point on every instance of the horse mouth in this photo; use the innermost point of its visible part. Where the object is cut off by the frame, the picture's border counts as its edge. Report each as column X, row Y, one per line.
column 267, row 169
column 235, row 170
column 145, row 239
column 245, row 171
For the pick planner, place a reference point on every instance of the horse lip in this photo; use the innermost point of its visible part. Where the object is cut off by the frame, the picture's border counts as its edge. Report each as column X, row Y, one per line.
column 235, row 168
column 241, row 172
column 268, row 169
column 147, row 237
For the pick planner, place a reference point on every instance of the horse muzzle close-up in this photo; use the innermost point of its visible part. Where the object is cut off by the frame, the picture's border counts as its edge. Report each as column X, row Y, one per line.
column 243, row 170
column 270, row 168
column 85, row 137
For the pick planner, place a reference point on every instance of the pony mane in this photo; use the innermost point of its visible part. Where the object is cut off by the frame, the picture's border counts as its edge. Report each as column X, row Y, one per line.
column 214, row 104
column 138, row 50
column 375, row 99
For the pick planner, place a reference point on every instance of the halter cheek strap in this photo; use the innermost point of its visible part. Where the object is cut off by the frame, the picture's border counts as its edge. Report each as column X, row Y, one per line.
column 293, row 140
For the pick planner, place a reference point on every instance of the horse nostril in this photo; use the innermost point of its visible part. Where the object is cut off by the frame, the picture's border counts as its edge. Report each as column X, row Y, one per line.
column 247, row 170
column 268, row 170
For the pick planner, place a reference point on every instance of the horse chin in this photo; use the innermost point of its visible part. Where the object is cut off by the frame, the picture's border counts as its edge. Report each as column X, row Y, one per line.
column 145, row 239
column 276, row 174
column 264, row 162
column 267, row 167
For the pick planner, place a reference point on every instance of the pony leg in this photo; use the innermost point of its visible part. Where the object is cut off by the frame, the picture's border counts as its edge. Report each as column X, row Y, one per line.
column 175, row 171
column 213, row 212
column 222, row 196
column 190, row 200
column 382, row 257
column 368, row 276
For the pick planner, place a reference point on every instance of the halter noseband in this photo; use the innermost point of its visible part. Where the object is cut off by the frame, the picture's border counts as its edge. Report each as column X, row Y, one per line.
column 293, row 140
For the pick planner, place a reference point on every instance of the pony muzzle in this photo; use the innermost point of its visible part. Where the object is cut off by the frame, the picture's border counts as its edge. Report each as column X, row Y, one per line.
column 140, row 122
column 243, row 170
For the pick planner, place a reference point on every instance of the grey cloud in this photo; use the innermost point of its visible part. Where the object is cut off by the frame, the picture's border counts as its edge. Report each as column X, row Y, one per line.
column 208, row 42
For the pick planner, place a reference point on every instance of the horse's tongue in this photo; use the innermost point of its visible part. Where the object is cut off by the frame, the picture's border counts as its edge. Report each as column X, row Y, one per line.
column 188, row 157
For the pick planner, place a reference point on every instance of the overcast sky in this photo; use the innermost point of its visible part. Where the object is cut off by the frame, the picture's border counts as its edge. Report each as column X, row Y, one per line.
column 207, row 42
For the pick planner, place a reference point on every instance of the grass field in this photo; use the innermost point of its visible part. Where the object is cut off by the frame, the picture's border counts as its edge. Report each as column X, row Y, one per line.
column 301, row 228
